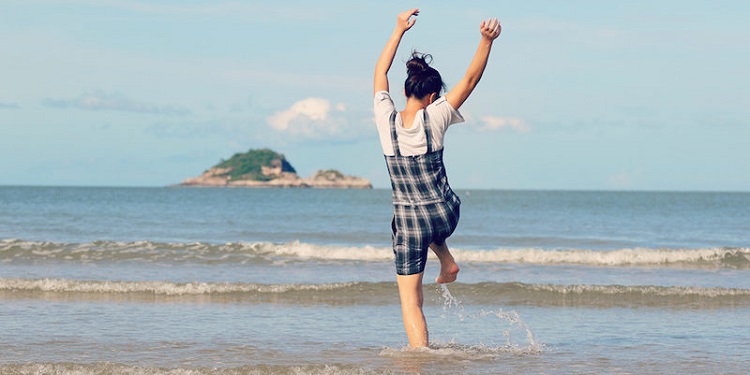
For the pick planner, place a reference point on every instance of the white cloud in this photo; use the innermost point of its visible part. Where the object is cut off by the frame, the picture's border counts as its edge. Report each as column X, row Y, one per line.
column 101, row 101
column 620, row 180
column 623, row 179
column 9, row 106
column 492, row 123
column 311, row 117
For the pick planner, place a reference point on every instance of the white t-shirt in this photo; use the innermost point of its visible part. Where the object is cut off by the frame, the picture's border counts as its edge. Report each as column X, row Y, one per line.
column 412, row 141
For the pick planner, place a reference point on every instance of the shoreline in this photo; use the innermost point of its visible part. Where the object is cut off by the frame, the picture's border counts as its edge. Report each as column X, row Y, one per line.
column 216, row 177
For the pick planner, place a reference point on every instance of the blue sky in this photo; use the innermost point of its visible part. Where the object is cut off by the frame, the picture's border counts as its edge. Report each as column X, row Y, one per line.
column 588, row 95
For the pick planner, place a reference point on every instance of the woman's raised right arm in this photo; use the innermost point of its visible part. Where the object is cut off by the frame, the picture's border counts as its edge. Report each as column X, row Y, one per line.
column 403, row 22
column 490, row 30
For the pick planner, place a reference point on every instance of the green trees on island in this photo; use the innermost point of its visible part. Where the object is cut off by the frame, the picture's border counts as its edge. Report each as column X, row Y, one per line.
column 259, row 165
column 267, row 168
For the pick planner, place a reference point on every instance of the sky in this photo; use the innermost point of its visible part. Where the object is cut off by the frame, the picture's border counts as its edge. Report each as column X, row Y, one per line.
column 577, row 95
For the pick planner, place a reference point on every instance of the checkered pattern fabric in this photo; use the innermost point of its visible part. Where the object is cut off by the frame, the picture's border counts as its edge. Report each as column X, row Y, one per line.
column 425, row 209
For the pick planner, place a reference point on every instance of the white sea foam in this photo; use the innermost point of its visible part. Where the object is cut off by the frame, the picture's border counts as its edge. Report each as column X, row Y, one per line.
column 158, row 287
column 242, row 252
column 311, row 251
column 643, row 290
column 461, row 352
column 369, row 292
column 623, row 257
column 737, row 257
column 121, row 369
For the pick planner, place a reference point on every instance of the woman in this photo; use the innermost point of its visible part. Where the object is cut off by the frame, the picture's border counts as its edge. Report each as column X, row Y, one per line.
column 426, row 210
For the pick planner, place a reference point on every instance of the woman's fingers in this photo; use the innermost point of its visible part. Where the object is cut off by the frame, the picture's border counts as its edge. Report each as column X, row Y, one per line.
column 405, row 20
column 408, row 14
column 491, row 28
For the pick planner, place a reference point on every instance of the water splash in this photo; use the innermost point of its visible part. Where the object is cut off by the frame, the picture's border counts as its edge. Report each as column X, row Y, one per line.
column 515, row 324
column 451, row 304
column 513, row 328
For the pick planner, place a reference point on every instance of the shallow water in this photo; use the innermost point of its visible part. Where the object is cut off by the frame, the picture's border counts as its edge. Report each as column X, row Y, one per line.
column 235, row 281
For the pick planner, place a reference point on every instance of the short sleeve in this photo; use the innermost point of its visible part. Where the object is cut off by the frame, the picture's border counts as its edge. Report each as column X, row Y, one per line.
column 442, row 114
column 382, row 106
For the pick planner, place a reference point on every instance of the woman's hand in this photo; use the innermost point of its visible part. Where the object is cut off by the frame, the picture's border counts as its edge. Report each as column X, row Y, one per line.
column 403, row 21
column 490, row 29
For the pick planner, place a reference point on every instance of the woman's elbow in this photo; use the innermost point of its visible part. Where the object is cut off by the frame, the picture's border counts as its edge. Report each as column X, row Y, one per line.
column 473, row 80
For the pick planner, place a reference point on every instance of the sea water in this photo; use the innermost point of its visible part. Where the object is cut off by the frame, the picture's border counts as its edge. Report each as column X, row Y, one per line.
column 301, row 281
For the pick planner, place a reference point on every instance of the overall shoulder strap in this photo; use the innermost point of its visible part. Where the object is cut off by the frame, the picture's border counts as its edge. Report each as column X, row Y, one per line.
column 427, row 130
column 394, row 135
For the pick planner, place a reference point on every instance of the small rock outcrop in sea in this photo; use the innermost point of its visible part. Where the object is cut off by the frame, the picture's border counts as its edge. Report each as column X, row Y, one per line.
column 266, row 168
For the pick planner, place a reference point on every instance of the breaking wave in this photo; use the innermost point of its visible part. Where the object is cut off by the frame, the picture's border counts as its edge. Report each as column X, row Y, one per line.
column 376, row 293
column 13, row 250
column 120, row 369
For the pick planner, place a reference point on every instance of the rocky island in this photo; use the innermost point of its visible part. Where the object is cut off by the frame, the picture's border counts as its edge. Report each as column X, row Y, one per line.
column 267, row 168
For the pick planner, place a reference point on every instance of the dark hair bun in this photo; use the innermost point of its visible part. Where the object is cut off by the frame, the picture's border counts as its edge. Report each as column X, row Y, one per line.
column 422, row 78
column 418, row 63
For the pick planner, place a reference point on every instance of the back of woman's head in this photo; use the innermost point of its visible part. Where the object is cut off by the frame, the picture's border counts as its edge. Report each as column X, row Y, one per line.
column 422, row 79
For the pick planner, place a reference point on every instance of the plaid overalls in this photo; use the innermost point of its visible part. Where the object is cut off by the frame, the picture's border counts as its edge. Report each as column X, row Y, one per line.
column 425, row 209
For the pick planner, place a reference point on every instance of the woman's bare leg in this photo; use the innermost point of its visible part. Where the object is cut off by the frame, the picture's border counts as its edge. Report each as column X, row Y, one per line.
column 448, row 267
column 410, row 290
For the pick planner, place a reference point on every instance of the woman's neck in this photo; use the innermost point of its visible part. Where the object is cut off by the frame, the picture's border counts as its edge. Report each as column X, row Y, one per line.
column 413, row 105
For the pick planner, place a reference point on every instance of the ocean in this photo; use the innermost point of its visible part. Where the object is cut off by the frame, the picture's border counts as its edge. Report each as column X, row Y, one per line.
column 97, row 280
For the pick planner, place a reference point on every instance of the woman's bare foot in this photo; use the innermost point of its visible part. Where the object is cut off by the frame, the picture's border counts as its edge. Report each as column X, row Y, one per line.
column 448, row 267
column 448, row 272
